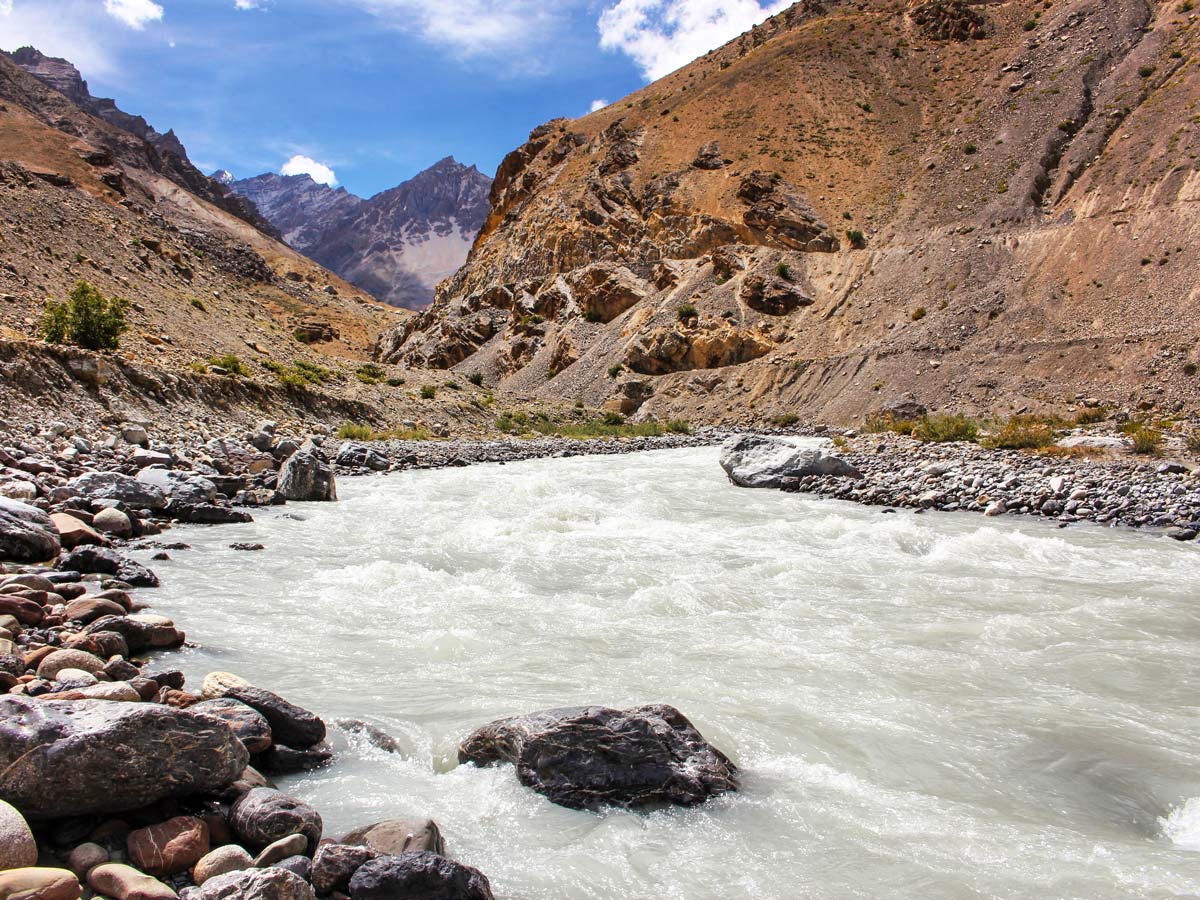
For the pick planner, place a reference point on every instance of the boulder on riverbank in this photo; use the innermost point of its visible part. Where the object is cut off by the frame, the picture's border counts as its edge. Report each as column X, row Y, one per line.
column 418, row 875
column 263, row 815
column 758, row 461
column 306, row 476
column 17, row 847
column 588, row 757
column 26, row 533
column 70, row 758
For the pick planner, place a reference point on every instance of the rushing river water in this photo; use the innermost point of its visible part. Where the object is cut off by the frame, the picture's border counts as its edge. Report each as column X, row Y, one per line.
column 922, row 706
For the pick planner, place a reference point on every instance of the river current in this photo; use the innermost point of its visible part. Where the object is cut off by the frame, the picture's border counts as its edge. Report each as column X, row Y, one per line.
column 934, row 706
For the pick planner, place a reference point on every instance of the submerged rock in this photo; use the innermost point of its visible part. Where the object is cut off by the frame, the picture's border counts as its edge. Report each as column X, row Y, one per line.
column 587, row 757
column 757, row 461
column 96, row 756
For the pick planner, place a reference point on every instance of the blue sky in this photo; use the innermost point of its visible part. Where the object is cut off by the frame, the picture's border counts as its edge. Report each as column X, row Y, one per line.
column 368, row 92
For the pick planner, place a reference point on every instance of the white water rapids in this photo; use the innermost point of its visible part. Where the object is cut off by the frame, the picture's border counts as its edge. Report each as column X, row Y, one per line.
column 929, row 706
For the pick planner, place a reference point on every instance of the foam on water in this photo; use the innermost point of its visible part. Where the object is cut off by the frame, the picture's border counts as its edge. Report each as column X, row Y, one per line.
column 927, row 706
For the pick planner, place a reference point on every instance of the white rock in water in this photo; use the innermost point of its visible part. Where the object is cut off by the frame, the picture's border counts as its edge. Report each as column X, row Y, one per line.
column 757, row 461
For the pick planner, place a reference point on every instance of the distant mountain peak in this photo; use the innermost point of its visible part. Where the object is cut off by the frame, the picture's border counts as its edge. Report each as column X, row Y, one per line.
column 398, row 244
column 223, row 176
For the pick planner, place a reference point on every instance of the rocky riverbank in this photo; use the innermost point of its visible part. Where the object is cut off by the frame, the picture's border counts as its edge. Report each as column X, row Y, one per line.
column 895, row 471
column 119, row 780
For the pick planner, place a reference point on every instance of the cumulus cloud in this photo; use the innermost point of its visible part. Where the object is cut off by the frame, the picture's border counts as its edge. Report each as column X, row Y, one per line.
column 598, row 104
column 137, row 14
column 305, row 165
column 247, row 4
column 472, row 28
column 663, row 35
column 68, row 30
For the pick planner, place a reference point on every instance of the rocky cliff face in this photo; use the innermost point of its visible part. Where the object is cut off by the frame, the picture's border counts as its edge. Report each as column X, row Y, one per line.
column 396, row 245
column 986, row 204
column 164, row 151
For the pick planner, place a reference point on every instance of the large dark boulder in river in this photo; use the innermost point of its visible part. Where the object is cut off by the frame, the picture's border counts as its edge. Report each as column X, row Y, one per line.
column 262, row 816
column 758, row 461
column 26, row 533
column 105, row 561
column 71, row 758
column 418, row 876
column 306, row 476
column 589, row 756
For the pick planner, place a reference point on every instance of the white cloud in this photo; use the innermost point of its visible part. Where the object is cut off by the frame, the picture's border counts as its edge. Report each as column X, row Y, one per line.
column 598, row 105
column 305, row 165
column 247, row 4
column 472, row 28
column 134, row 13
column 69, row 31
column 663, row 35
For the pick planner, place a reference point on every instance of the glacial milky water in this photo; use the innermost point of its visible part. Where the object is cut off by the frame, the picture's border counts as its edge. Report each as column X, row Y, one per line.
column 922, row 706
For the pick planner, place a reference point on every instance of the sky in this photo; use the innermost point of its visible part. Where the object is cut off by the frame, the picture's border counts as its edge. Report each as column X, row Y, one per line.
column 366, row 93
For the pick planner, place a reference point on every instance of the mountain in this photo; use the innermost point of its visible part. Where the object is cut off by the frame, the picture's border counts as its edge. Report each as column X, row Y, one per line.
column 396, row 245
column 164, row 152
column 983, row 204
column 86, row 199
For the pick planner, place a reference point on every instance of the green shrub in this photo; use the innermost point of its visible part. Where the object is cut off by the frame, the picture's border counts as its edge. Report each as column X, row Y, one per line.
column 428, row 392
column 350, row 431
column 857, row 239
column 687, row 311
column 1145, row 71
column 942, row 429
column 878, row 424
column 476, row 378
column 1022, row 433
column 395, row 381
column 679, row 426
column 453, row 386
column 784, row 272
column 612, row 418
column 88, row 319
column 1088, row 416
column 918, row 314
column 230, row 363
column 369, row 373
column 1029, row 25
column 786, row 420
column 1146, row 440
column 615, row 369
column 197, row 303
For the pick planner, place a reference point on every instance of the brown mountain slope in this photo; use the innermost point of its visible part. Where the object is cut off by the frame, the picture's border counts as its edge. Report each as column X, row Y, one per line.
column 988, row 204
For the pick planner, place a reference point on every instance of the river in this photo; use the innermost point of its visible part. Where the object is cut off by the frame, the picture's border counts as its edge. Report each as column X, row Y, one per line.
column 922, row 706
